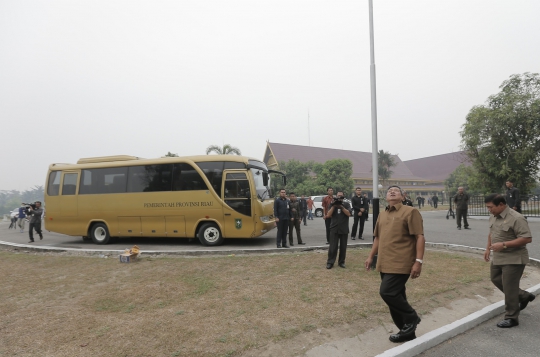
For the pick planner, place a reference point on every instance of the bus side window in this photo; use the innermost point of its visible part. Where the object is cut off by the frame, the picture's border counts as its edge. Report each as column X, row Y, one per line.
column 70, row 184
column 186, row 178
column 54, row 183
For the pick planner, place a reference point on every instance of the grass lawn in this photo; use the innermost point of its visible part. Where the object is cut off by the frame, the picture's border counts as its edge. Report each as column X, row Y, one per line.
column 54, row 305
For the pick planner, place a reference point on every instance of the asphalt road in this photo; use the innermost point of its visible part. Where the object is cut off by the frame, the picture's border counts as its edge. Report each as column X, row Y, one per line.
column 437, row 229
column 487, row 340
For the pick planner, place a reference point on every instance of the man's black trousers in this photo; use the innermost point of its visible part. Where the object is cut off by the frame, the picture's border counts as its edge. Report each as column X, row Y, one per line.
column 37, row 227
column 460, row 212
column 392, row 291
column 335, row 240
column 282, row 228
column 435, row 204
column 295, row 224
column 327, row 224
column 357, row 218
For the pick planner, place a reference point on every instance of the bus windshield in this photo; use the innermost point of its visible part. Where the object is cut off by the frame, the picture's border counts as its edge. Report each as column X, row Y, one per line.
column 263, row 192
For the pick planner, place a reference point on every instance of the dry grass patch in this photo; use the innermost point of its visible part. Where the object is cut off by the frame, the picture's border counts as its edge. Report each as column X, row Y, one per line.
column 205, row 306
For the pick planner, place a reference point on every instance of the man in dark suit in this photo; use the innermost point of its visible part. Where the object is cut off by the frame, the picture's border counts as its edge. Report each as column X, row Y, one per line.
column 303, row 209
column 360, row 207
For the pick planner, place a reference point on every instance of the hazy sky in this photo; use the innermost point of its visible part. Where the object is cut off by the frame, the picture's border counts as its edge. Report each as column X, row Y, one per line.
column 95, row 78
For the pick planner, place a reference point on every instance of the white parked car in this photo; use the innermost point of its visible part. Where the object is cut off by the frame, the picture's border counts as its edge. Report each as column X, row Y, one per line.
column 317, row 205
column 14, row 213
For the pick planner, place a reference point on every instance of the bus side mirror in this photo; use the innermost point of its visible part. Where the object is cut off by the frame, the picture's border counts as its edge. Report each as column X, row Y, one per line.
column 265, row 179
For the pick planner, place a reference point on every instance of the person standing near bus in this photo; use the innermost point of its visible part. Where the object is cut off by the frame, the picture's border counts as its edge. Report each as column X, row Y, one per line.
column 282, row 215
column 326, row 205
column 360, row 206
column 303, row 209
column 296, row 219
column 35, row 221
column 310, row 208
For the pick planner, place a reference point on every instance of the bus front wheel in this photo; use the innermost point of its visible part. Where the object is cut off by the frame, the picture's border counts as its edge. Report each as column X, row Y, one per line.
column 210, row 235
column 100, row 234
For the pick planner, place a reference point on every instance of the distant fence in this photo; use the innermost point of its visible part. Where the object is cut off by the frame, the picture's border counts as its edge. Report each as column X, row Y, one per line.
column 530, row 206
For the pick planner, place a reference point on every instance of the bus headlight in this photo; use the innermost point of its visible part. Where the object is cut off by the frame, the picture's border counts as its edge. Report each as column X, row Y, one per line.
column 265, row 219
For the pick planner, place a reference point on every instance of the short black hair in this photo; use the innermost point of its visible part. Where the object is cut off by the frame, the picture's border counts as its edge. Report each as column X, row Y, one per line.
column 329, row 188
column 510, row 180
column 292, row 193
column 359, row 188
column 495, row 198
column 400, row 190
column 282, row 189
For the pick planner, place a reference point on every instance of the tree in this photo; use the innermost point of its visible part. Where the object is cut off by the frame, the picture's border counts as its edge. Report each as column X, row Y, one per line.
column 502, row 137
column 386, row 162
column 335, row 173
column 460, row 178
column 225, row 150
column 170, row 154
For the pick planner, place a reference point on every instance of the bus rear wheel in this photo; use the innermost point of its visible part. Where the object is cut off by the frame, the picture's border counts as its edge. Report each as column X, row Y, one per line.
column 210, row 235
column 100, row 234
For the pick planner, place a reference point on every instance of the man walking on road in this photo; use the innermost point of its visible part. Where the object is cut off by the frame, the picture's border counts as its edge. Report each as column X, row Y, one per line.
column 339, row 231
column 296, row 219
column 360, row 207
column 509, row 234
column 35, row 221
column 22, row 217
column 461, row 201
column 326, row 204
column 512, row 197
column 282, row 215
column 435, row 201
column 399, row 242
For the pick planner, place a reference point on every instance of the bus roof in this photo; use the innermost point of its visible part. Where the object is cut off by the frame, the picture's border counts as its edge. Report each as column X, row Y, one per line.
column 126, row 160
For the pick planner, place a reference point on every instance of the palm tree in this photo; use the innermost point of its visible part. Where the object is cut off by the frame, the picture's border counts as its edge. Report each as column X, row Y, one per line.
column 386, row 162
column 225, row 150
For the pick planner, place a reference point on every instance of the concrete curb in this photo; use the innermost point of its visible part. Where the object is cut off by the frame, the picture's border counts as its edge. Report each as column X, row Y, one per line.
column 210, row 251
column 433, row 338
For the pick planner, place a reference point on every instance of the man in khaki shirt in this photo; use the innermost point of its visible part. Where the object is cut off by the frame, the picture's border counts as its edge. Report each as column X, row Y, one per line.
column 400, row 244
column 509, row 233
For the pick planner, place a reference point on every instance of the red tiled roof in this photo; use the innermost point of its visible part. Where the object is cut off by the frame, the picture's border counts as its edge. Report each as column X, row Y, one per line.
column 439, row 167
column 361, row 160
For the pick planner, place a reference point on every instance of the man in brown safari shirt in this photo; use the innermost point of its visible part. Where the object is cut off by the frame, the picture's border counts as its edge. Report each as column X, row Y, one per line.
column 400, row 244
column 509, row 233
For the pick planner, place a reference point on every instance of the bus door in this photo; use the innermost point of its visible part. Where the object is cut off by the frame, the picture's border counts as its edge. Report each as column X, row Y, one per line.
column 237, row 211
column 68, row 194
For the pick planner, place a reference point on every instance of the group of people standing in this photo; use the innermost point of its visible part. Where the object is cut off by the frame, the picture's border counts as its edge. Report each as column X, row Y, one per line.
column 289, row 213
column 399, row 245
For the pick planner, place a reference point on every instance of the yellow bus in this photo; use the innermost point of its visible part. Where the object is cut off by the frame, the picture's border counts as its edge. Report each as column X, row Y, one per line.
column 208, row 197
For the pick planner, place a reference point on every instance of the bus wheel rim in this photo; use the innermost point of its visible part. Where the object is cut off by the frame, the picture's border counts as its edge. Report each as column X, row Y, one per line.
column 211, row 234
column 100, row 233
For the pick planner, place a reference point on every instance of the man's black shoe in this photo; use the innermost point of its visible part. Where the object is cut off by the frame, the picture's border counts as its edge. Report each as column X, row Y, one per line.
column 353, row 238
column 362, row 238
column 32, row 241
column 41, row 237
column 400, row 337
column 467, row 228
column 524, row 304
column 459, row 228
column 292, row 245
column 410, row 328
column 286, row 246
column 507, row 323
column 279, row 246
column 302, row 243
column 329, row 266
column 342, row 265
